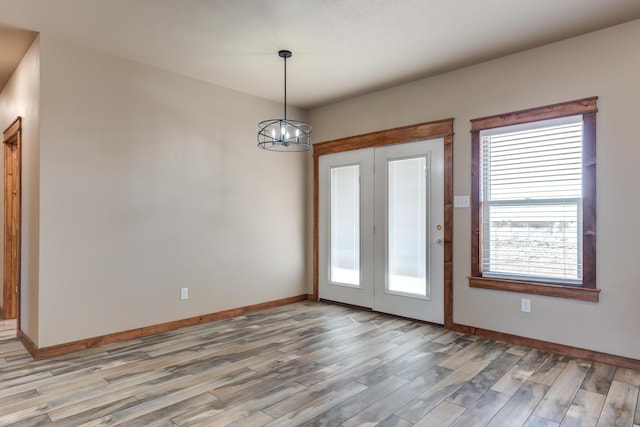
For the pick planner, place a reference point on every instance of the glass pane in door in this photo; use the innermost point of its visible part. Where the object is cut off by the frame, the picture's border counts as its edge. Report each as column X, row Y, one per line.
column 345, row 225
column 407, row 226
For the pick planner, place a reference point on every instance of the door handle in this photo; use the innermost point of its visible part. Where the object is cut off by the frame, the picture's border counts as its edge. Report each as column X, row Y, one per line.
column 438, row 240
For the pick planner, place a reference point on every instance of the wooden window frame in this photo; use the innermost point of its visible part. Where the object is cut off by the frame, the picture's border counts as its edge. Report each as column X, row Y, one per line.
column 587, row 291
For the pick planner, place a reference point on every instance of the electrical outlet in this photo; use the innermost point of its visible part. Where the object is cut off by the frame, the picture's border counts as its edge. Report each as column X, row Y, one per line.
column 461, row 202
column 184, row 293
column 525, row 305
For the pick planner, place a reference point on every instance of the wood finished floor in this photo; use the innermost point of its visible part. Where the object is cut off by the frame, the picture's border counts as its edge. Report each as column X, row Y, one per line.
column 312, row 364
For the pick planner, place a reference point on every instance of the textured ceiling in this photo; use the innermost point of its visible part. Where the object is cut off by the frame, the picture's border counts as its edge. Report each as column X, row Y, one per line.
column 341, row 48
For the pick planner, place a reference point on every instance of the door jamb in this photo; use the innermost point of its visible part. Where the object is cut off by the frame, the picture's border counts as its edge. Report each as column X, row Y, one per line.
column 13, row 135
column 418, row 132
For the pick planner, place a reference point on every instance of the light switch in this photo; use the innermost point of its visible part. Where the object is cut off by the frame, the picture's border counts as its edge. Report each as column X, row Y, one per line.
column 461, row 202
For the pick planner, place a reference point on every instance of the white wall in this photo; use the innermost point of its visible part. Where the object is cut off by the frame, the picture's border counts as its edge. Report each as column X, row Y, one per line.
column 604, row 64
column 21, row 97
column 151, row 181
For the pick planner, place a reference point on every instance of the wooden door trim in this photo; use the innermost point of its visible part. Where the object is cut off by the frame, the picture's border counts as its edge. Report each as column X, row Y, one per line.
column 429, row 130
column 13, row 136
column 13, row 129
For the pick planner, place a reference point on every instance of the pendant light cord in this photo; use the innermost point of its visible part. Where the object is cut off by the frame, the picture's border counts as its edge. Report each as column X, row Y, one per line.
column 285, row 88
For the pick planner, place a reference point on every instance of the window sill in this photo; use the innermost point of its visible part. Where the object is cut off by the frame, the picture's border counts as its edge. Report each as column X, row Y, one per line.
column 560, row 291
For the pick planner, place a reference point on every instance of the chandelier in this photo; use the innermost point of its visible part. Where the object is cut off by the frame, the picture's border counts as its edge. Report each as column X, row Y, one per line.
column 283, row 134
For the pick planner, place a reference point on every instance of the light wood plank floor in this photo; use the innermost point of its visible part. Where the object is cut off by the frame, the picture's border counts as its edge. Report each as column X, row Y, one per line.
column 312, row 364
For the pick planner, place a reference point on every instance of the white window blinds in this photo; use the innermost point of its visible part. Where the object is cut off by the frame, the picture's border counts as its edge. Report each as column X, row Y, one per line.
column 345, row 225
column 531, row 199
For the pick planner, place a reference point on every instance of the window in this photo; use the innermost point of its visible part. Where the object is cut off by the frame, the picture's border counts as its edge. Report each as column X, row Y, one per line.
column 407, row 221
column 345, row 225
column 531, row 198
column 533, row 201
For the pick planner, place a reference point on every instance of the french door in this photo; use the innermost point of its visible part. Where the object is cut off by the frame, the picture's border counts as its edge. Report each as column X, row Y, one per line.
column 381, row 229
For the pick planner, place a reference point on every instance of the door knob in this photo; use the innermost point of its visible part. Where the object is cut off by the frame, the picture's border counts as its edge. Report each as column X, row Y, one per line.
column 438, row 240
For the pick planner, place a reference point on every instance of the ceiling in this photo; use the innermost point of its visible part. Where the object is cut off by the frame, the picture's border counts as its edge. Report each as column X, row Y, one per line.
column 14, row 42
column 341, row 48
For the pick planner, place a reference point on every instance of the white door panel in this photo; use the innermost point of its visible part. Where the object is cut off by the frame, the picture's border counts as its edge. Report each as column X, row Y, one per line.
column 380, row 234
column 409, row 224
column 345, row 243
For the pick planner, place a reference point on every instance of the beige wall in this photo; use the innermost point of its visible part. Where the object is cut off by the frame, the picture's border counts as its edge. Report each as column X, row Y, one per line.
column 147, row 181
column 151, row 181
column 21, row 97
column 604, row 64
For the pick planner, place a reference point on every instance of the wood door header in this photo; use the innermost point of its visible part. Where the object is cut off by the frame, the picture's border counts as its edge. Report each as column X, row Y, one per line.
column 12, row 130
column 439, row 128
